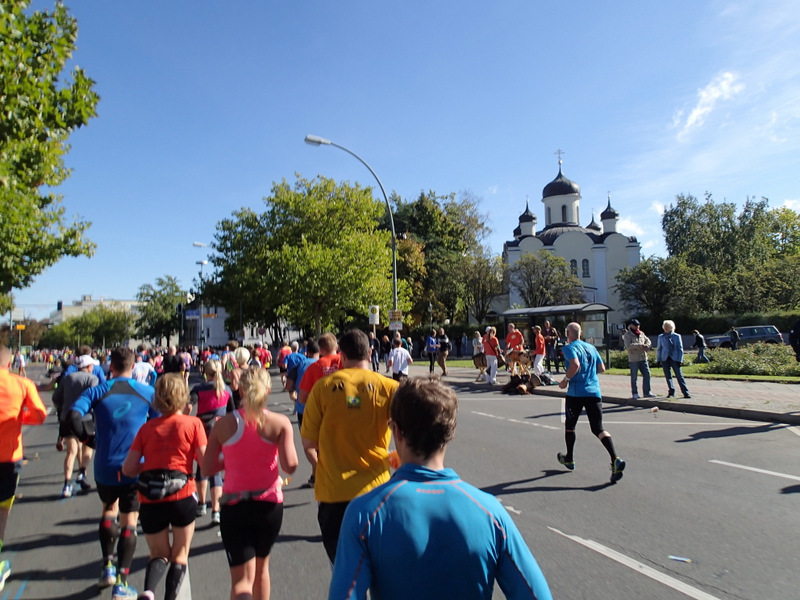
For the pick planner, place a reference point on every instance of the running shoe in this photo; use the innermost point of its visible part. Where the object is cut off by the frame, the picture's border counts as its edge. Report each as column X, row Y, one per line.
column 310, row 483
column 5, row 571
column 108, row 576
column 67, row 491
column 202, row 509
column 215, row 518
column 122, row 591
column 617, row 467
column 650, row 396
column 635, row 397
column 569, row 464
column 84, row 483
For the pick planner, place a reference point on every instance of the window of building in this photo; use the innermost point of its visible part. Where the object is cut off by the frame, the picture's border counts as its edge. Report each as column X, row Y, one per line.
column 573, row 267
column 563, row 213
column 585, row 267
column 548, row 215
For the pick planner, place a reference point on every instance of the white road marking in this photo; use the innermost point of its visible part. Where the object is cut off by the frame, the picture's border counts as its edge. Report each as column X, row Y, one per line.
column 755, row 470
column 499, row 418
column 639, row 567
column 508, row 508
column 793, row 429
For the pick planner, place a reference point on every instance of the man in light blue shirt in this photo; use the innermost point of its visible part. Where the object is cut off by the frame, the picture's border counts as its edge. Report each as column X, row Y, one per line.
column 670, row 355
column 583, row 363
column 426, row 533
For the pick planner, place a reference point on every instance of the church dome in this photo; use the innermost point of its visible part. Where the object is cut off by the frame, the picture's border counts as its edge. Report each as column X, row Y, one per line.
column 560, row 186
column 527, row 216
column 593, row 225
column 609, row 213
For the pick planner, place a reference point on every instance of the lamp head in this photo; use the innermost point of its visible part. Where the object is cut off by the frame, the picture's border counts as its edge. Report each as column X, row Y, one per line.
column 202, row 262
column 315, row 140
column 199, row 244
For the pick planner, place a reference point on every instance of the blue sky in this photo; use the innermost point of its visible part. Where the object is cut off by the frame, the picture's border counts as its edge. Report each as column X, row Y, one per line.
column 205, row 105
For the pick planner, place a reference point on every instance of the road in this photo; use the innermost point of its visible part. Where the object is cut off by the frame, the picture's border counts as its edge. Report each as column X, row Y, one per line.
column 718, row 492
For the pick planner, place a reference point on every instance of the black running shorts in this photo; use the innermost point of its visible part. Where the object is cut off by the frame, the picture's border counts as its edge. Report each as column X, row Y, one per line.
column 157, row 516
column 249, row 529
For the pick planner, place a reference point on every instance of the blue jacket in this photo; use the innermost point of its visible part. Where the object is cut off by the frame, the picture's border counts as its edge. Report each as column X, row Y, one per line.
column 428, row 534
column 670, row 346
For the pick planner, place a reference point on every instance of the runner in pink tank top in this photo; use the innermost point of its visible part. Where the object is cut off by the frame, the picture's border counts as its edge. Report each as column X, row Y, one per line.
column 253, row 442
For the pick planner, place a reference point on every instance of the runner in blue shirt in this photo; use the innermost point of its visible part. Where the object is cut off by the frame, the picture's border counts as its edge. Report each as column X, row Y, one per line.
column 120, row 407
column 97, row 371
column 583, row 363
column 426, row 533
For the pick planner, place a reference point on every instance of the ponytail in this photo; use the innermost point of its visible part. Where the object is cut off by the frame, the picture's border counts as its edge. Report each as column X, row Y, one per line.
column 213, row 372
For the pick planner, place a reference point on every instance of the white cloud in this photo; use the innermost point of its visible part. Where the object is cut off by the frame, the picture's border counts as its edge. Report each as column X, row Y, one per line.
column 658, row 207
column 630, row 227
column 493, row 190
column 792, row 204
column 723, row 87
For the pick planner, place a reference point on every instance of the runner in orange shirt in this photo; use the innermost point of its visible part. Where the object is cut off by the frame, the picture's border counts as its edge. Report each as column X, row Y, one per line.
column 514, row 342
column 20, row 405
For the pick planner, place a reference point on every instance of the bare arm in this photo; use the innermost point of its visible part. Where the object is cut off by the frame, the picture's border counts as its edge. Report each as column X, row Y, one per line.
column 572, row 370
column 302, row 396
column 287, row 454
column 133, row 464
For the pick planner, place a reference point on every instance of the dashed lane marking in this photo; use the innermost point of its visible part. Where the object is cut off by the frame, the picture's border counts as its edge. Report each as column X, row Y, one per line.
column 675, row 584
column 793, row 429
column 755, row 470
column 510, row 420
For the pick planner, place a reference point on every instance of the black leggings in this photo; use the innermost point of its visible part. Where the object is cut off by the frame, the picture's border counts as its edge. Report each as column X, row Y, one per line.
column 432, row 357
column 594, row 411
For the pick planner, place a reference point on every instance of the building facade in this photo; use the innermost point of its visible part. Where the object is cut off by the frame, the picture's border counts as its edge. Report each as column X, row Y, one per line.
column 595, row 253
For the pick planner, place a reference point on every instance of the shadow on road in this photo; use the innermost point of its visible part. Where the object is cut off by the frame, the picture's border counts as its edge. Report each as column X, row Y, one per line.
column 792, row 489
column 730, row 432
column 508, row 487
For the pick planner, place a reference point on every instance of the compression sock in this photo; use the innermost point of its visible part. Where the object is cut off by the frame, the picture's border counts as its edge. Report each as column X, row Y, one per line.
column 609, row 446
column 126, row 548
column 174, row 580
column 109, row 532
column 154, row 572
column 569, row 437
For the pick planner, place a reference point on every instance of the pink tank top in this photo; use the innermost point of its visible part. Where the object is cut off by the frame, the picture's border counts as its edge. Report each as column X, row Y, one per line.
column 251, row 463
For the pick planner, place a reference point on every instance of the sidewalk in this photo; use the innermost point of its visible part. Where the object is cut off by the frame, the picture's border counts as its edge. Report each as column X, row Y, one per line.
column 754, row 401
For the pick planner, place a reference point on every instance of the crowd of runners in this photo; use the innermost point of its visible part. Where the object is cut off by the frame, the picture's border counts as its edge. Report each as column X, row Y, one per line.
column 164, row 454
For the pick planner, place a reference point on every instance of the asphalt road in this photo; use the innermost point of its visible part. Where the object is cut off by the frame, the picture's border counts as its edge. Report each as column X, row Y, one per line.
column 720, row 493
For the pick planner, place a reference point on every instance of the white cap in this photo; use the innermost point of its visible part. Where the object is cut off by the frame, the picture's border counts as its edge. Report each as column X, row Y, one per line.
column 488, row 328
column 86, row 360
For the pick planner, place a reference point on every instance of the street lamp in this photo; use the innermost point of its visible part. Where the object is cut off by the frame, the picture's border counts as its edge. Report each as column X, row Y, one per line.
column 315, row 140
column 202, row 263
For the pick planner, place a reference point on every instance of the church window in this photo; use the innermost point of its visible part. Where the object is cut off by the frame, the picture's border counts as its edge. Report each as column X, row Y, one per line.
column 585, row 267
column 563, row 213
column 573, row 267
column 548, row 215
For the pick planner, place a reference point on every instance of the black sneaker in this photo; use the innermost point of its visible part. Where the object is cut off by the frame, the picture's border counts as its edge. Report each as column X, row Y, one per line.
column 617, row 467
column 310, row 483
column 84, row 483
column 686, row 396
column 563, row 460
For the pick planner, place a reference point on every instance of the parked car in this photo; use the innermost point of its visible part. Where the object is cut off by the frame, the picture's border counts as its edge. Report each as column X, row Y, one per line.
column 749, row 334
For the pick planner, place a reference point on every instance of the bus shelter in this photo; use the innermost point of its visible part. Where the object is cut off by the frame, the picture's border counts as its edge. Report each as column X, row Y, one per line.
column 592, row 317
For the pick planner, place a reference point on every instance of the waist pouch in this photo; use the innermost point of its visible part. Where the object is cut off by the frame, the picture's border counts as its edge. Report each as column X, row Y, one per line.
column 157, row 484
column 209, row 418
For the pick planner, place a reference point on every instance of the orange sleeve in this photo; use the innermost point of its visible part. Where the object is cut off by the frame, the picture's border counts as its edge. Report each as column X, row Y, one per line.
column 33, row 409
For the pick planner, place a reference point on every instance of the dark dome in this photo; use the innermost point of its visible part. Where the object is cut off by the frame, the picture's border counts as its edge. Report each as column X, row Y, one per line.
column 518, row 231
column 609, row 213
column 560, row 186
column 549, row 234
column 593, row 225
column 527, row 216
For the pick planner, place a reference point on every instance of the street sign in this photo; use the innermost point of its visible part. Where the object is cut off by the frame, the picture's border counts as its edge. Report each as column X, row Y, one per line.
column 20, row 326
column 210, row 316
column 192, row 313
column 262, row 331
column 395, row 320
column 374, row 315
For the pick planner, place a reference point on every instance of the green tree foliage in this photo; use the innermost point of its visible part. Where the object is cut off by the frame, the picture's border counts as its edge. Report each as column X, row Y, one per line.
column 158, row 315
column 104, row 325
column 447, row 229
column 60, row 336
column 544, row 279
column 315, row 256
column 483, row 276
column 38, row 114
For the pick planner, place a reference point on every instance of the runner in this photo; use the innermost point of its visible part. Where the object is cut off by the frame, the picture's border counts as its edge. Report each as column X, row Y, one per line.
column 121, row 406
column 253, row 441
column 583, row 364
column 162, row 456
column 213, row 400
column 19, row 405
column 426, row 533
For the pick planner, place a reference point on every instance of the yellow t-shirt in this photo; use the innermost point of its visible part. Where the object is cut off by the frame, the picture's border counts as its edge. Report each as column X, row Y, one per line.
column 347, row 416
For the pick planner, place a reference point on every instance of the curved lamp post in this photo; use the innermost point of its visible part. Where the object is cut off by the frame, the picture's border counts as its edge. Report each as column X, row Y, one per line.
column 315, row 140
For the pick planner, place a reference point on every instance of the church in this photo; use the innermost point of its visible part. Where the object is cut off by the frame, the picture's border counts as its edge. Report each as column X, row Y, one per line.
column 595, row 253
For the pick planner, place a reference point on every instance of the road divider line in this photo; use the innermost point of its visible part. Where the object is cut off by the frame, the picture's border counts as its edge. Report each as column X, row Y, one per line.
column 793, row 429
column 755, row 470
column 510, row 420
column 639, row 567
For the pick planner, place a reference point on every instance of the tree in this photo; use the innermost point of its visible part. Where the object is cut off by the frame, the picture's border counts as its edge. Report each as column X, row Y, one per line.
column 314, row 257
column 104, row 326
column 59, row 336
column 544, row 279
column 39, row 114
column 483, row 276
column 158, row 316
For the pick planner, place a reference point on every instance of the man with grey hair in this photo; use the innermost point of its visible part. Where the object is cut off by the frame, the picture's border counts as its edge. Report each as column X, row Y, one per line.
column 583, row 363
